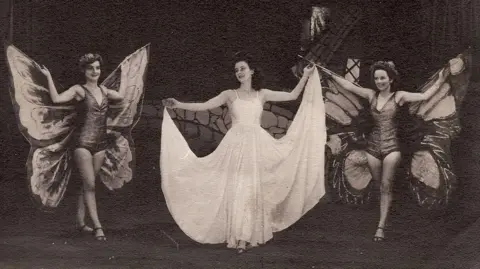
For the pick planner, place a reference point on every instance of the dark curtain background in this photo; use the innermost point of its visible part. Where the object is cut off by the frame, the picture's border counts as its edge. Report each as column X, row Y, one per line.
column 191, row 45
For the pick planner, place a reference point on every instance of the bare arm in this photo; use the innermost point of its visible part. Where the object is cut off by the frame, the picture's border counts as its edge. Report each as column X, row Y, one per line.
column 402, row 97
column 216, row 101
column 278, row 96
column 120, row 95
column 64, row 97
column 114, row 95
column 349, row 86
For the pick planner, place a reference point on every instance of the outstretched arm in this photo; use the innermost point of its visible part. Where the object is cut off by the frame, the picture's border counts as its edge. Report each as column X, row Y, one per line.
column 402, row 97
column 120, row 95
column 64, row 97
column 216, row 101
column 349, row 86
column 278, row 96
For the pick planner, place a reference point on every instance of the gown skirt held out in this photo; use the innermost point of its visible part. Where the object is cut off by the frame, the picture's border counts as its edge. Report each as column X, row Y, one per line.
column 252, row 184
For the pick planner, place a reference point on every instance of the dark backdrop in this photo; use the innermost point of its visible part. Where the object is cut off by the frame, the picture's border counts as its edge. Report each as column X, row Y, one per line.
column 191, row 45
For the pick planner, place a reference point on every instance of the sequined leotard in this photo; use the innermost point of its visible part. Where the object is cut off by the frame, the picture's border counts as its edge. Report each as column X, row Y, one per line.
column 93, row 130
column 383, row 139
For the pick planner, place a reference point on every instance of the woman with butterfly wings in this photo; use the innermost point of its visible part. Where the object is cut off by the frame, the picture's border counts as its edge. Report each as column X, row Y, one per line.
column 355, row 163
column 88, row 125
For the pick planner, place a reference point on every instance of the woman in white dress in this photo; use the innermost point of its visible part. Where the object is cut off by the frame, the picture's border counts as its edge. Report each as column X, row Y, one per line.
column 252, row 184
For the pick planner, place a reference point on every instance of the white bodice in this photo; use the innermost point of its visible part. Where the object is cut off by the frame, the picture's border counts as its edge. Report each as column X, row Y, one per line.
column 246, row 112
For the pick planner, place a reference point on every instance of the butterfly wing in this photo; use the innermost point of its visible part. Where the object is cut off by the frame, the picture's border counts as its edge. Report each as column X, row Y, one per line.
column 122, row 118
column 431, row 172
column 48, row 128
column 349, row 178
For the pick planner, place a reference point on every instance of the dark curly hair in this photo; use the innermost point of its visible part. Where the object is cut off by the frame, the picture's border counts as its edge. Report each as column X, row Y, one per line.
column 257, row 77
column 87, row 59
column 388, row 67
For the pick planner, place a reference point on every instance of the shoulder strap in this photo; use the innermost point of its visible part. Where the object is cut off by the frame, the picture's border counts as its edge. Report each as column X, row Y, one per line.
column 87, row 92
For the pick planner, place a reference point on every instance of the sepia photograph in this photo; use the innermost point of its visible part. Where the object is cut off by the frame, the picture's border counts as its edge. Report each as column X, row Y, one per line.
column 319, row 134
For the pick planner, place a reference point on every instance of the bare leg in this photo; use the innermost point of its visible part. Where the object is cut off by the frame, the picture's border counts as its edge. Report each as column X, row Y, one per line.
column 81, row 213
column 84, row 162
column 375, row 166
column 390, row 164
column 98, row 159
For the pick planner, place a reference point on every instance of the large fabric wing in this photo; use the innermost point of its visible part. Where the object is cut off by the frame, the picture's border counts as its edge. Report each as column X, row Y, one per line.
column 349, row 178
column 346, row 112
column 450, row 93
column 122, row 118
column 431, row 172
column 47, row 127
column 460, row 82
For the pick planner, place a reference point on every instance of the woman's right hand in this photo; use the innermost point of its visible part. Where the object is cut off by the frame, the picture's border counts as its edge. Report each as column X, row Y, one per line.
column 170, row 103
column 44, row 70
column 308, row 70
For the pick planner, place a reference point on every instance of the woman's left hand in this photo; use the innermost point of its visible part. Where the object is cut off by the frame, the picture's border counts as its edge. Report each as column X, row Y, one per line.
column 170, row 103
column 443, row 74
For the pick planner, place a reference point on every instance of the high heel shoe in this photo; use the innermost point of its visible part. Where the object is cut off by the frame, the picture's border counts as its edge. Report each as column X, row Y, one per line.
column 241, row 247
column 377, row 238
column 99, row 237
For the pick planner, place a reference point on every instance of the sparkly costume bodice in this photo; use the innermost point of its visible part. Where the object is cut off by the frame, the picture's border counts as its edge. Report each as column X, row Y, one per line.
column 94, row 128
column 384, row 119
column 383, row 138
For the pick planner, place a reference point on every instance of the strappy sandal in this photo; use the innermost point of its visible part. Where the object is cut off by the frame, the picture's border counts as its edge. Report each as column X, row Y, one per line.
column 242, row 249
column 99, row 237
column 377, row 238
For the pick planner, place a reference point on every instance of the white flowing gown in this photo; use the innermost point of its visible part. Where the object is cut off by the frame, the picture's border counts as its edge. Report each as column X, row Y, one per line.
column 252, row 184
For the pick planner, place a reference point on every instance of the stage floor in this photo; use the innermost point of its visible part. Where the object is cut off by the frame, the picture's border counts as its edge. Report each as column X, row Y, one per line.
column 138, row 226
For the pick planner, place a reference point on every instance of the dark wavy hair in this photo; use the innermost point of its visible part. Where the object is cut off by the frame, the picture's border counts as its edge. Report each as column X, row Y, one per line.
column 257, row 77
column 87, row 59
column 388, row 67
